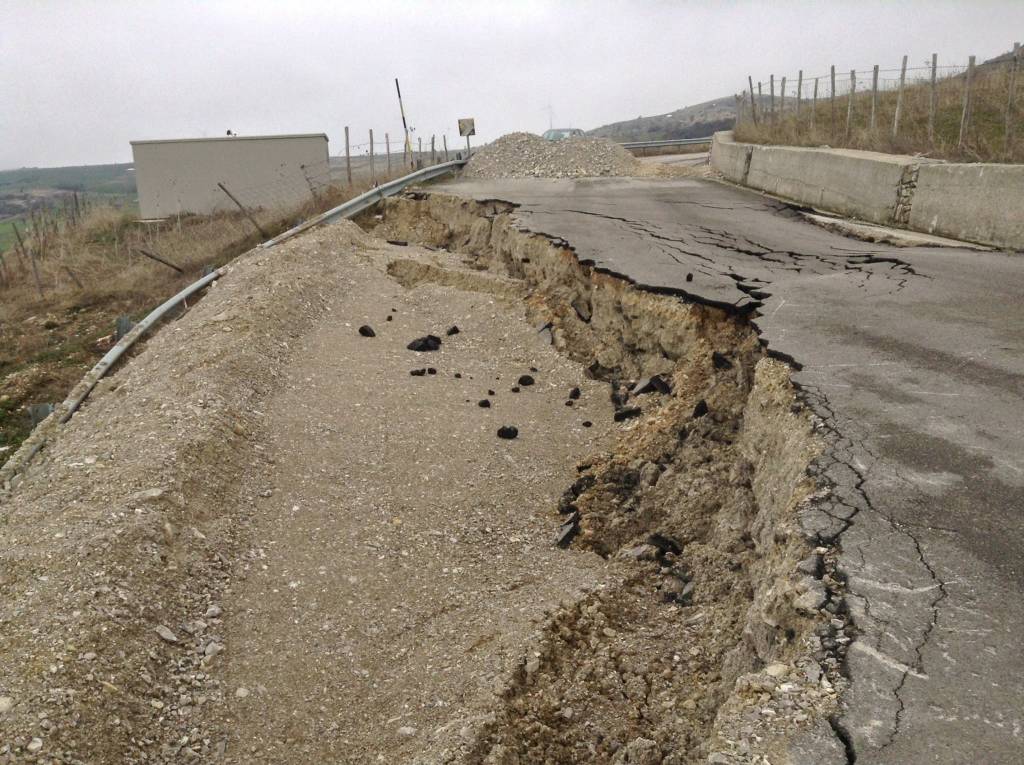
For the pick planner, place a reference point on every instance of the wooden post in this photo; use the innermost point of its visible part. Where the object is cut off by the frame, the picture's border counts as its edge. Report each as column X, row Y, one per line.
column 469, row 151
column 899, row 99
column 849, row 102
column 753, row 106
column 933, row 99
column 387, row 148
column 158, row 259
column 419, row 154
column 433, row 154
column 799, row 92
column 874, row 96
column 814, row 106
column 245, row 212
column 444, row 142
column 771, row 97
column 32, row 259
column 832, row 128
column 373, row 166
column 782, row 100
column 348, row 158
column 965, row 117
column 1008, row 130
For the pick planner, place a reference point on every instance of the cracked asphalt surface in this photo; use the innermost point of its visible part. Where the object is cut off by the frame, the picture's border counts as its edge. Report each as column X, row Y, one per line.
column 913, row 358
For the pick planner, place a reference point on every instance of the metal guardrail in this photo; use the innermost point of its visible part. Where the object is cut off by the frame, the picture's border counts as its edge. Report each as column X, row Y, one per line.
column 39, row 436
column 358, row 204
column 657, row 144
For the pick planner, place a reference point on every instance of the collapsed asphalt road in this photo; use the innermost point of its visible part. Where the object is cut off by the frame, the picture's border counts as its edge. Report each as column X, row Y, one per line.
column 912, row 359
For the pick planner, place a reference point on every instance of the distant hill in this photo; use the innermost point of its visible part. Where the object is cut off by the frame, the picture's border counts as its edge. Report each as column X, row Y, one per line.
column 689, row 122
column 33, row 188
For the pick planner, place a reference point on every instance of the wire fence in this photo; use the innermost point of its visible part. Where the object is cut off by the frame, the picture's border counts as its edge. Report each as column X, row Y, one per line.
column 971, row 111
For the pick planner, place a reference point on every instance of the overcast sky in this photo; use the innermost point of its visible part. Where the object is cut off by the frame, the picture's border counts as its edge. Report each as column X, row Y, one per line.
column 82, row 79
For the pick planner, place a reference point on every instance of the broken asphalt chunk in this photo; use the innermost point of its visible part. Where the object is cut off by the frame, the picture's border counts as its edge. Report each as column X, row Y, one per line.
column 367, row 331
column 574, row 394
column 525, row 380
column 568, row 531
column 484, row 404
column 701, row 409
column 653, row 383
column 452, row 330
column 627, row 414
column 399, row 242
column 431, row 371
column 587, row 423
column 418, row 372
column 426, row 343
column 508, row 432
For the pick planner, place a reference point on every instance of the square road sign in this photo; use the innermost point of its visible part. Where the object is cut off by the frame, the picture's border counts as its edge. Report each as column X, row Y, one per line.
column 467, row 126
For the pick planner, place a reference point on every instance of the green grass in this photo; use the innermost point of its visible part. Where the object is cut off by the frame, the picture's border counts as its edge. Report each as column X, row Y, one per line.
column 97, row 179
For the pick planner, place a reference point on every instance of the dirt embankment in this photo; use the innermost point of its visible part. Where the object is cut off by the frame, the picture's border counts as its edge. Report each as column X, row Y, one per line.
column 258, row 544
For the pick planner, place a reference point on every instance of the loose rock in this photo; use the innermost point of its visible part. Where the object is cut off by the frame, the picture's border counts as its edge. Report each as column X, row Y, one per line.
column 508, row 431
column 367, row 331
column 425, row 343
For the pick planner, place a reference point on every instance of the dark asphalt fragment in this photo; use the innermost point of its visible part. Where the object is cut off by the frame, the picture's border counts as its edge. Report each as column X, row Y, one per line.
column 568, row 531
column 389, row 317
column 525, row 380
column 653, row 383
column 514, row 389
column 367, row 331
column 399, row 242
column 720, row 361
column 701, row 409
column 574, row 394
column 458, row 375
column 627, row 414
column 431, row 371
column 483, row 403
column 508, row 431
column 452, row 330
column 587, row 423
column 490, row 392
column 426, row 343
column 418, row 372
column 569, row 402
column 689, row 277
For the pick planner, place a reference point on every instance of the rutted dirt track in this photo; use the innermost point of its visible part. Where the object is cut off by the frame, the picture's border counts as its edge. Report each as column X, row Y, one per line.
column 263, row 540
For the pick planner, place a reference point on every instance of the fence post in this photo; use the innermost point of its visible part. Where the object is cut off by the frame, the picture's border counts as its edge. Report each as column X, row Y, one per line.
column 814, row 106
column 348, row 158
column 1008, row 131
column 874, row 96
column 899, row 99
column 965, row 117
column 771, row 97
column 433, row 154
column 387, row 148
column 832, row 128
column 444, row 142
column 419, row 155
column 753, row 107
column 849, row 102
column 932, row 99
column 782, row 100
column 373, row 164
column 799, row 93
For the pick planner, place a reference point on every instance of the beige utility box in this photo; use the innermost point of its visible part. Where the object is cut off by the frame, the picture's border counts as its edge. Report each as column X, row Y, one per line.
column 181, row 176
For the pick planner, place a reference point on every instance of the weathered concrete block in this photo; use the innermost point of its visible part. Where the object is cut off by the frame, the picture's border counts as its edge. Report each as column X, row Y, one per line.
column 979, row 203
column 857, row 184
column 729, row 158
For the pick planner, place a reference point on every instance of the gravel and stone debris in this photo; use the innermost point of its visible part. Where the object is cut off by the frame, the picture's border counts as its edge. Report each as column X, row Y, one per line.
column 508, row 432
column 425, row 343
column 525, row 155
column 367, row 331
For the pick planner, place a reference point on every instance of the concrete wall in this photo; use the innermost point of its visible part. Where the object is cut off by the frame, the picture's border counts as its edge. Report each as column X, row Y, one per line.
column 729, row 158
column 981, row 203
column 978, row 203
column 181, row 176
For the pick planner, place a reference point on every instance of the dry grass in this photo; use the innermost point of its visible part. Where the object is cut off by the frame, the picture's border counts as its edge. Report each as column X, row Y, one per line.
column 90, row 271
column 984, row 139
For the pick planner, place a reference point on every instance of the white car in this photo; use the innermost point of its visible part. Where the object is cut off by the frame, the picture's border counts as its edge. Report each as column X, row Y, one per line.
column 558, row 134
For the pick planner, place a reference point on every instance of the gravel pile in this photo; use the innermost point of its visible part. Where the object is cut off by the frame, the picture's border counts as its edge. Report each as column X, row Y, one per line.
column 524, row 155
